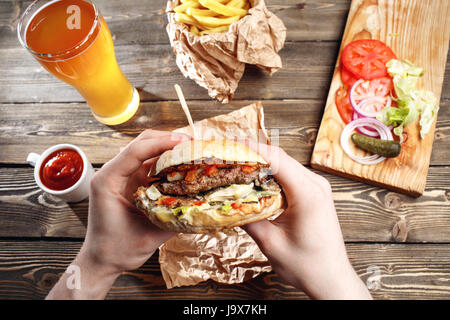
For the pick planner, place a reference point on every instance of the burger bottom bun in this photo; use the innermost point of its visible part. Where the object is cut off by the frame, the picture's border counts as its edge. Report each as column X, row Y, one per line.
column 209, row 221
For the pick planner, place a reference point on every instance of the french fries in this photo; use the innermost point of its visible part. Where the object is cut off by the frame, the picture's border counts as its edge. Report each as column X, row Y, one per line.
column 215, row 30
column 238, row 3
column 210, row 16
column 213, row 22
column 184, row 18
column 187, row 4
column 201, row 12
column 222, row 9
column 194, row 30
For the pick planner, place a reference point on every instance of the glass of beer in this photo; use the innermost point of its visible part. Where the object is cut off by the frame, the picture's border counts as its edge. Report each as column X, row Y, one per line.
column 71, row 40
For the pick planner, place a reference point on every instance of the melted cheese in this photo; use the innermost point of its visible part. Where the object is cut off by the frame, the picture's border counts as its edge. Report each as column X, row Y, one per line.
column 164, row 214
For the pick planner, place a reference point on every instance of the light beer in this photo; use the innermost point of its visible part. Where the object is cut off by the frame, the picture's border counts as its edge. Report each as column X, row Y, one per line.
column 71, row 40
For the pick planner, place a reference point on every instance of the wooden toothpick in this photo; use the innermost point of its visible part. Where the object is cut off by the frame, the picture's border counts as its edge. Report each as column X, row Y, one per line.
column 185, row 109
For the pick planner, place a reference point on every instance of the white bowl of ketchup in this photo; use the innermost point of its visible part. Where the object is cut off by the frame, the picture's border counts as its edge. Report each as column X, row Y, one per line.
column 63, row 171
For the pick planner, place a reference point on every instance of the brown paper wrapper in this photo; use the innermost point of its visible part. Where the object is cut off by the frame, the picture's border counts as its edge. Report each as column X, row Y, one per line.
column 217, row 61
column 188, row 259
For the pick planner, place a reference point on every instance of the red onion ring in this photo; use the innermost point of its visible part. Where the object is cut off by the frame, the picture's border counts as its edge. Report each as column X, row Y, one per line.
column 368, row 131
column 358, row 107
column 383, row 131
column 352, row 93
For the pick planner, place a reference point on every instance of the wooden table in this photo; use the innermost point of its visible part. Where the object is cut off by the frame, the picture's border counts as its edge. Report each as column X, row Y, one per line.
column 401, row 241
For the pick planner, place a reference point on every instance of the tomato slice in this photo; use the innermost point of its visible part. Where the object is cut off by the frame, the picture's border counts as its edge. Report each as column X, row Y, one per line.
column 235, row 206
column 347, row 77
column 343, row 105
column 248, row 169
column 168, row 201
column 367, row 58
column 191, row 175
column 211, row 170
column 381, row 87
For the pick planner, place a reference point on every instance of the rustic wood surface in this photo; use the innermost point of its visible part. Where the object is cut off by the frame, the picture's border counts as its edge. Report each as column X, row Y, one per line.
column 395, row 271
column 426, row 44
column 405, row 239
column 73, row 123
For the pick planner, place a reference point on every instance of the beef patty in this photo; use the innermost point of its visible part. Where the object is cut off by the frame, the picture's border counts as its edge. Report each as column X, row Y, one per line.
column 223, row 177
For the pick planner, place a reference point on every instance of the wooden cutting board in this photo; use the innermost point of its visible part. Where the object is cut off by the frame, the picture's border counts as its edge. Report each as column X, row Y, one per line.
column 417, row 30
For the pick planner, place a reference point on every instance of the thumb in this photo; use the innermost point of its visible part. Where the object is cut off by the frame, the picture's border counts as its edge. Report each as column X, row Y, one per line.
column 266, row 235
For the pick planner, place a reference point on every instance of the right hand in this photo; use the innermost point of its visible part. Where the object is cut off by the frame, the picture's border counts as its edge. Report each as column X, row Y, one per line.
column 305, row 244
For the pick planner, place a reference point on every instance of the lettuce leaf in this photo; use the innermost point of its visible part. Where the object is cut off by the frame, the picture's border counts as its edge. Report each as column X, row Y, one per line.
column 412, row 103
column 226, row 208
column 393, row 116
column 427, row 106
column 403, row 68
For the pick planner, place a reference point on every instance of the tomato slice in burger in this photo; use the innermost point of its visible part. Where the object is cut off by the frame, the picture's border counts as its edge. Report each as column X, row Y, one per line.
column 211, row 171
column 235, row 206
column 367, row 58
column 191, row 175
column 343, row 105
column 248, row 169
column 168, row 201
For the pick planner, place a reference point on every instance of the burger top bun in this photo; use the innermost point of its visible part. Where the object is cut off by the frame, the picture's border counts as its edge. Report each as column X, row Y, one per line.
column 198, row 150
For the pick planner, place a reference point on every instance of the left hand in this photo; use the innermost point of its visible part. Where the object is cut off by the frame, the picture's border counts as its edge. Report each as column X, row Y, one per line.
column 119, row 237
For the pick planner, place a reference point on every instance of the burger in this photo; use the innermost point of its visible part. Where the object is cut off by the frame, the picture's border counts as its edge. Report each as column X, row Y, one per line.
column 209, row 186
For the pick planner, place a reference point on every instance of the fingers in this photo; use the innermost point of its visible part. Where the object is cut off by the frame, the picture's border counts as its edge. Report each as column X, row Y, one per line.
column 148, row 164
column 149, row 144
column 266, row 235
column 157, row 235
column 141, row 175
column 135, row 154
column 288, row 172
column 154, row 134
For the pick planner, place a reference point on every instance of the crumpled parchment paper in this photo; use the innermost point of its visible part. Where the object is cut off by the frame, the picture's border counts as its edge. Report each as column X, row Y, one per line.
column 188, row 259
column 217, row 61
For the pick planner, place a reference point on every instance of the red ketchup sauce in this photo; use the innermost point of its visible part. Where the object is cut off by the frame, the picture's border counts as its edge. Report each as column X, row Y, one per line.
column 61, row 169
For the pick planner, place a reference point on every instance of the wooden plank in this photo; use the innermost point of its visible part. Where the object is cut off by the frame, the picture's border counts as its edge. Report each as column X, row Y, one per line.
column 30, row 269
column 377, row 20
column 152, row 69
column 366, row 213
column 25, row 128
column 413, row 271
column 144, row 21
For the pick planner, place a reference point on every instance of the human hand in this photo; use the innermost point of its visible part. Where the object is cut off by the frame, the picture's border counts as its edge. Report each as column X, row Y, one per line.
column 305, row 244
column 119, row 238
